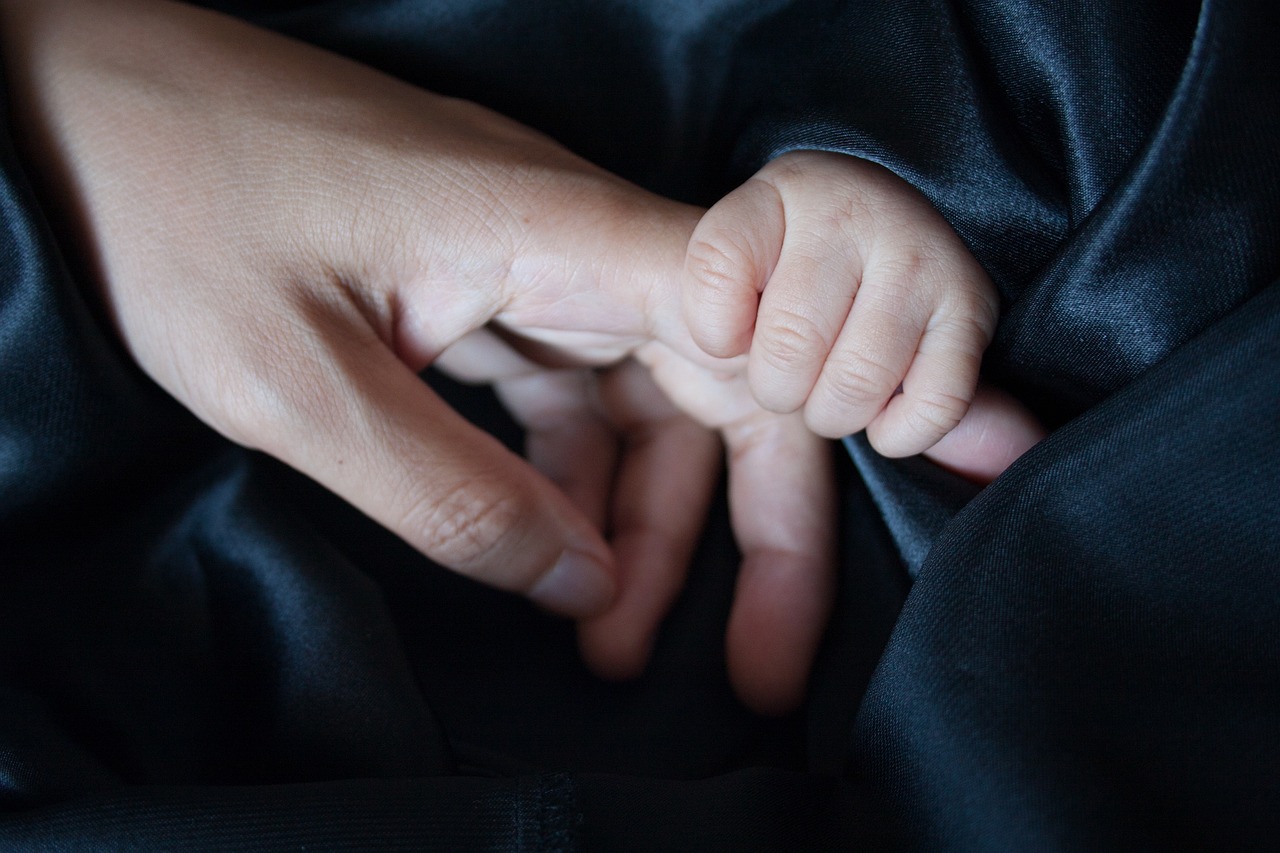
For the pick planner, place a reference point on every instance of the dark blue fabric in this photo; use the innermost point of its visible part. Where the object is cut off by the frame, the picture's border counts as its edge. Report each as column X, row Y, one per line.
column 201, row 650
column 1087, row 659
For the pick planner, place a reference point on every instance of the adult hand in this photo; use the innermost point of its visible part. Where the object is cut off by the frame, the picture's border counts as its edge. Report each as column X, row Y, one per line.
column 781, row 495
column 653, row 498
column 285, row 239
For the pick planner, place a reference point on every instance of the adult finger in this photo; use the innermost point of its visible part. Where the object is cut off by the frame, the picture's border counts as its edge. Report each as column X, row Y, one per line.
column 565, row 436
column 653, row 501
column 481, row 358
column 666, row 477
column 782, row 503
column 996, row 430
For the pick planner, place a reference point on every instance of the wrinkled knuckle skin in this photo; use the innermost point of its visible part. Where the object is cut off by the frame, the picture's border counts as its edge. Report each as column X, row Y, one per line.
column 854, row 382
column 467, row 529
column 936, row 414
column 852, row 391
column 791, row 342
column 718, row 267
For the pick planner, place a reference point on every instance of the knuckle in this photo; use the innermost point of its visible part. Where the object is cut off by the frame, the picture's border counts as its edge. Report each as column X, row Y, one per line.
column 854, row 381
column 467, row 529
column 719, row 266
column 790, row 341
column 909, row 262
column 936, row 413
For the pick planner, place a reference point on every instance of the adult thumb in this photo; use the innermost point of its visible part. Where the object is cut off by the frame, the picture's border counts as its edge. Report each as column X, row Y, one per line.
column 353, row 417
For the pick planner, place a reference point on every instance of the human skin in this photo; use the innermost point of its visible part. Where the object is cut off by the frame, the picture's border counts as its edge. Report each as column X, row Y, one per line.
column 286, row 259
column 852, row 298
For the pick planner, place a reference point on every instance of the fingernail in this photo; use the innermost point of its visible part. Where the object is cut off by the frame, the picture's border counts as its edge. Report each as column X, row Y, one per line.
column 577, row 585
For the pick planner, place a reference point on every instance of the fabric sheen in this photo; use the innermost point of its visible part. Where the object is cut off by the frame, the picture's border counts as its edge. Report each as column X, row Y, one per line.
column 200, row 650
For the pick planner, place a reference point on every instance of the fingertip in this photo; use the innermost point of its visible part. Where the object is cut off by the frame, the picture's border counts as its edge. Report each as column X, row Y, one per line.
column 578, row 585
column 827, row 424
column 611, row 651
column 617, row 644
column 766, row 693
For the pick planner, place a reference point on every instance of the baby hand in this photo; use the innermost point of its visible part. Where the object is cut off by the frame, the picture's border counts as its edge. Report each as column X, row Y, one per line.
column 845, row 287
